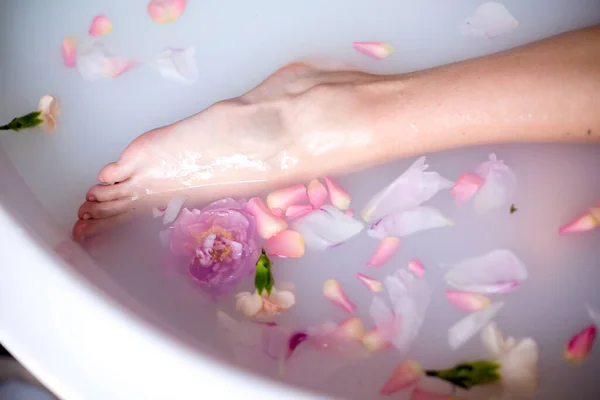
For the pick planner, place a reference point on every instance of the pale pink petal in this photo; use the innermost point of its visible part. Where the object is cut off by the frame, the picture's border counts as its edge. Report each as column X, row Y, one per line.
column 317, row 194
column 408, row 191
column 498, row 271
column 407, row 374
column 163, row 11
column 298, row 210
column 267, row 224
column 584, row 223
column 371, row 283
column 277, row 212
column 338, row 196
column 101, row 25
column 283, row 198
column 326, row 227
column 580, row 345
column 114, row 66
column 334, row 292
column 489, row 20
column 352, row 329
column 416, row 267
column 466, row 187
column 499, row 187
column 50, row 108
column 406, row 223
column 178, row 65
column 69, row 46
column 286, row 243
column 249, row 304
column 422, row 394
column 91, row 60
column 468, row 301
column 157, row 212
column 466, row 328
column 386, row 249
column 173, row 209
column 282, row 299
column 375, row 50
column 349, row 213
column 594, row 315
column 375, row 340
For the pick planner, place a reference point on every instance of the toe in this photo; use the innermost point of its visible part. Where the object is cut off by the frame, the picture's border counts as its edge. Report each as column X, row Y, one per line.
column 116, row 172
column 95, row 210
column 102, row 193
column 83, row 230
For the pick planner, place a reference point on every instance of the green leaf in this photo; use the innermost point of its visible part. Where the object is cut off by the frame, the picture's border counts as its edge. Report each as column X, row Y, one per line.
column 264, row 278
column 513, row 209
column 26, row 121
column 468, row 374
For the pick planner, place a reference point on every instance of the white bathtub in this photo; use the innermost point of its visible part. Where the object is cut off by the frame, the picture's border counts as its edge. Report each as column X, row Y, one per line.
column 106, row 327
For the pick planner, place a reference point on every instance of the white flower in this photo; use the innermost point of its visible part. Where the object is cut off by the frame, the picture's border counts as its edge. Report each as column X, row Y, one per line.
column 50, row 110
column 266, row 305
column 518, row 361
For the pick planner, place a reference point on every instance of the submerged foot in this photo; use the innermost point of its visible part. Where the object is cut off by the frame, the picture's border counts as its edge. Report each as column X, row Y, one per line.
column 235, row 147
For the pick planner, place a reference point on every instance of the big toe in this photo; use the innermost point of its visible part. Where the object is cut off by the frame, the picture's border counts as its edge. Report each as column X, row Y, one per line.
column 116, row 172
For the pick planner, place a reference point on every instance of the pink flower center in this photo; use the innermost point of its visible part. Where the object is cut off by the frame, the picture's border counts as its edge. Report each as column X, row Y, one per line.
column 217, row 249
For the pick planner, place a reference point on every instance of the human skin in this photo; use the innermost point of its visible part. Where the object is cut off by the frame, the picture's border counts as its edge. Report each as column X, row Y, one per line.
column 311, row 119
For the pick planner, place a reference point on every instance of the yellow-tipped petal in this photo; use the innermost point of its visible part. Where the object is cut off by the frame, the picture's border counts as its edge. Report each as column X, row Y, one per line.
column 334, row 292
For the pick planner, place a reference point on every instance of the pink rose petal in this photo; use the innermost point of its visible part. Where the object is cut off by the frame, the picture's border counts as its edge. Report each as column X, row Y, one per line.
column 116, row 66
column 317, row 194
column 409, row 222
column 158, row 212
column 375, row 341
column 338, row 196
column 499, row 186
column 386, row 249
column 173, row 209
column 466, row 328
column 298, row 210
column 326, row 227
column 278, row 212
column 422, row 394
column 334, row 292
column 352, row 329
column 177, row 64
column 69, row 45
column 349, row 213
column 468, row 301
column 287, row 244
column 498, row 271
column 416, row 267
column 96, row 61
column 489, row 20
column 163, row 11
column 101, row 25
column 466, row 187
column 375, row 50
column 407, row 374
column 267, row 224
column 283, row 198
column 584, row 223
column 580, row 345
column 371, row 283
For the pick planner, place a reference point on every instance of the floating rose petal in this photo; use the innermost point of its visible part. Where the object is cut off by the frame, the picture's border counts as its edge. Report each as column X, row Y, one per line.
column 416, row 267
column 178, row 65
column 498, row 271
column 49, row 107
column 117, row 66
column 499, row 187
column 352, row 328
column 408, row 191
column 584, row 223
column 277, row 212
column 287, row 244
column 158, row 212
column 283, row 198
column 317, row 194
column 266, row 305
column 594, row 315
column 466, row 187
column 163, row 11
column 407, row 374
column 173, row 208
column 386, row 249
column 467, row 301
column 464, row 329
column 349, row 213
column 95, row 61
column 326, row 227
column 101, row 25
column 580, row 345
column 267, row 224
column 405, row 223
column 375, row 340
column 375, row 50
column 298, row 210
column 334, row 292
column 69, row 46
column 422, row 394
column 338, row 196
column 489, row 20
column 371, row 283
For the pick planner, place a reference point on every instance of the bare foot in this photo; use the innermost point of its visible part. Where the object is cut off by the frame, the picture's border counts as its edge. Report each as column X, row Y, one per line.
column 234, row 147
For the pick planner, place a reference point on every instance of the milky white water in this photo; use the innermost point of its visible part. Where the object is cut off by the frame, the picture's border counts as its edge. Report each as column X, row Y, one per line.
column 236, row 47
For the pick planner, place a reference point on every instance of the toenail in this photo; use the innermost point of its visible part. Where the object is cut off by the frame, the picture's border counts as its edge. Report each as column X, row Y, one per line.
column 87, row 216
column 91, row 198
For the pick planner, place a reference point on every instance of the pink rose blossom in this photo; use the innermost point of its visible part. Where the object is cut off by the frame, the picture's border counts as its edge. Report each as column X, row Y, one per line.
column 216, row 244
